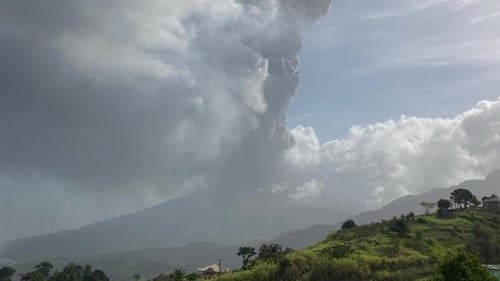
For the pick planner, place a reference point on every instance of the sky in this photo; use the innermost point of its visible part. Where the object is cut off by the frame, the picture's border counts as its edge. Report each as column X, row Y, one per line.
column 384, row 59
column 108, row 108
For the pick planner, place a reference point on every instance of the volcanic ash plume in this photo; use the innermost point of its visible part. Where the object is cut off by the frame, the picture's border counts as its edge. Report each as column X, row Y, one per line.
column 114, row 106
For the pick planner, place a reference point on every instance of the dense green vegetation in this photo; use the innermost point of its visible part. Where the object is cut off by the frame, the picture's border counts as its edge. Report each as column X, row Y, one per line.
column 462, row 267
column 6, row 273
column 405, row 248
column 177, row 275
column 44, row 272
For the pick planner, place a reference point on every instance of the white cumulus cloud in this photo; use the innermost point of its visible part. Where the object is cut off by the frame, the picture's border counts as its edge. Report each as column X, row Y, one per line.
column 383, row 161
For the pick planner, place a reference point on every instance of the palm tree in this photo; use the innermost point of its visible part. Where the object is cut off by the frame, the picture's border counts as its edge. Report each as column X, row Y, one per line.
column 178, row 275
column 246, row 253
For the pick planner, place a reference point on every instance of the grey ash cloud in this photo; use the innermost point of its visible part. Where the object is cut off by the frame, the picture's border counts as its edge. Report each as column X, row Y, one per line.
column 107, row 107
column 110, row 107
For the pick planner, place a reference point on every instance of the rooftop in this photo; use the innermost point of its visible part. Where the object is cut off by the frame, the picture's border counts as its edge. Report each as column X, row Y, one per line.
column 214, row 268
column 492, row 200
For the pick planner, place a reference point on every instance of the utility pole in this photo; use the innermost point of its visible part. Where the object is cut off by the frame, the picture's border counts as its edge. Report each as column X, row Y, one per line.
column 220, row 268
column 359, row 269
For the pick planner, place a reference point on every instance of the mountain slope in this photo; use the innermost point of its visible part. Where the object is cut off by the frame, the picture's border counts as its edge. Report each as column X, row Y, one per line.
column 305, row 237
column 410, row 203
column 197, row 218
column 200, row 216
column 150, row 262
column 302, row 238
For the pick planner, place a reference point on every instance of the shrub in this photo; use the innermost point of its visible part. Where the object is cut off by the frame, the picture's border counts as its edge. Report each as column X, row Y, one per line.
column 421, row 220
column 338, row 251
column 442, row 213
column 399, row 226
column 329, row 270
column 462, row 267
column 348, row 224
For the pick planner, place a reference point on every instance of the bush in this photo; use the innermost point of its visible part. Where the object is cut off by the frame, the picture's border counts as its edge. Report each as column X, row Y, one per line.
column 348, row 224
column 405, row 275
column 442, row 213
column 329, row 270
column 338, row 251
column 421, row 220
column 462, row 267
column 399, row 226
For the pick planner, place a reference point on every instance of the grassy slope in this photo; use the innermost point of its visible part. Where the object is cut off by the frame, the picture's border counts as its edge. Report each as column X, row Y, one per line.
column 376, row 254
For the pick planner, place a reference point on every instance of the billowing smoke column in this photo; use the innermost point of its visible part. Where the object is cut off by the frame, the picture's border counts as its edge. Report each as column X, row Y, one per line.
column 107, row 107
column 258, row 162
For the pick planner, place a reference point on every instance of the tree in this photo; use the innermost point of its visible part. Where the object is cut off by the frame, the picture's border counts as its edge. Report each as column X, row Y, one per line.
column 71, row 272
column 33, row 276
column 87, row 270
column 246, row 253
column 461, row 197
column 74, row 272
column 475, row 202
column 462, row 267
column 444, row 204
column 443, row 207
column 348, row 224
column 98, row 275
column 192, row 276
column 41, row 273
column 410, row 217
column 428, row 206
column 6, row 273
column 178, row 275
column 45, row 268
column 482, row 244
column 272, row 252
column 399, row 226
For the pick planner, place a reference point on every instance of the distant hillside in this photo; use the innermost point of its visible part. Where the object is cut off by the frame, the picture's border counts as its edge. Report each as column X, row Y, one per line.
column 122, row 265
column 410, row 203
column 150, row 262
column 200, row 216
column 406, row 248
column 302, row 238
column 160, row 227
column 305, row 237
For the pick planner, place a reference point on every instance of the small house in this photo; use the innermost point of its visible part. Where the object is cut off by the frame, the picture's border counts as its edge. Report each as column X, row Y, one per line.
column 212, row 270
column 491, row 204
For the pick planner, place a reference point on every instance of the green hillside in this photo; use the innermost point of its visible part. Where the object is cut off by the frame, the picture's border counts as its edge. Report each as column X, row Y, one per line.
column 449, row 245
column 405, row 248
